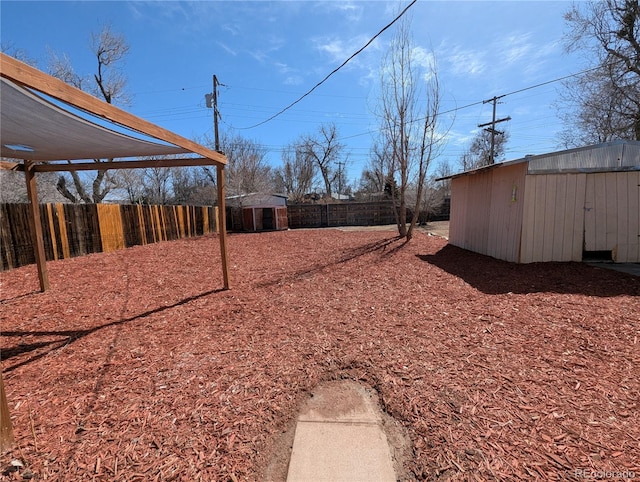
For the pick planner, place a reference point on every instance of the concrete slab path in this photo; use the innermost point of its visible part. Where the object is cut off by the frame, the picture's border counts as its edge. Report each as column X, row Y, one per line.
column 339, row 437
column 629, row 268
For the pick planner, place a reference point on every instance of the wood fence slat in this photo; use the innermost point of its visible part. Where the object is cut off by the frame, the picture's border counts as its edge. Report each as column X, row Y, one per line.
column 73, row 230
column 110, row 224
column 70, row 230
column 7, row 258
column 52, row 230
column 62, row 226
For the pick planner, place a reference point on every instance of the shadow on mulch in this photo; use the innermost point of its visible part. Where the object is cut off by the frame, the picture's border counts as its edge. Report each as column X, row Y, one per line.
column 493, row 277
column 66, row 337
column 385, row 247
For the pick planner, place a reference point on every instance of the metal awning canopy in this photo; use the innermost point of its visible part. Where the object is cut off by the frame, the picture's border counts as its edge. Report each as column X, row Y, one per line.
column 38, row 126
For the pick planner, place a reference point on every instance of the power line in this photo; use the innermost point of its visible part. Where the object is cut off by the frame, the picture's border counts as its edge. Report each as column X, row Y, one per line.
column 550, row 81
column 456, row 109
column 334, row 70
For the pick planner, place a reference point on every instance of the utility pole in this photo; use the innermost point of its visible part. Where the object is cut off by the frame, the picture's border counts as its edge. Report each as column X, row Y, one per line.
column 212, row 102
column 340, row 164
column 492, row 130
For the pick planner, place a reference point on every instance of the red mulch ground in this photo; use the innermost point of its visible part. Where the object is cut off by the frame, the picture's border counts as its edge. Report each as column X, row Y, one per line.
column 135, row 367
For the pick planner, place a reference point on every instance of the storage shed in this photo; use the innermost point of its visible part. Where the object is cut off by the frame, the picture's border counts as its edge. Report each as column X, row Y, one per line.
column 258, row 212
column 571, row 205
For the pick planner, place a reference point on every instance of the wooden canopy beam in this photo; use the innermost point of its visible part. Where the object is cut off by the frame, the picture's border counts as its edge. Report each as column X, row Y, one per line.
column 141, row 164
column 33, row 78
column 11, row 166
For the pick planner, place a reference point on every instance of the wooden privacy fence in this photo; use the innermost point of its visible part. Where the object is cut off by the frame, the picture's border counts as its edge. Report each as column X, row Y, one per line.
column 77, row 229
column 340, row 214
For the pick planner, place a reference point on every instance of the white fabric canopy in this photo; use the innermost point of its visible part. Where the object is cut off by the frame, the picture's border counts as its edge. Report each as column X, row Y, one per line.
column 36, row 129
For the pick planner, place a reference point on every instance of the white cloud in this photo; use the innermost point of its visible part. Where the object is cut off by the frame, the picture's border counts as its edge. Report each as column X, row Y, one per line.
column 272, row 44
column 293, row 80
column 232, row 29
column 227, row 49
column 340, row 50
column 352, row 11
column 514, row 48
column 423, row 57
column 523, row 51
column 465, row 62
column 284, row 68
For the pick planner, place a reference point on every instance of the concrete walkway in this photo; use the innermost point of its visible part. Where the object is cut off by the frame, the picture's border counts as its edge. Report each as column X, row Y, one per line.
column 629, row 268
column 339, row 437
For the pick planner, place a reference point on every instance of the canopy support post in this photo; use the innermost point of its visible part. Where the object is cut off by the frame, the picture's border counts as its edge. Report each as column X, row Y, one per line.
column 6, row 429
column 35, row 225
column 222, row 228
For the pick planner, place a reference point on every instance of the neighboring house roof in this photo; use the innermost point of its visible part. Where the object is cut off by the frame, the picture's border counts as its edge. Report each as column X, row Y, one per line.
column 341, row 197
column 618, row 155
column 257, row 199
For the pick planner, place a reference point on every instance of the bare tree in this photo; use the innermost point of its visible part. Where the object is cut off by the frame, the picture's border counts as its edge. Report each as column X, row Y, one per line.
column 193, row 186
column 479, row 151
column 107, row 83
column 14, row 190
column 411, row 132
column 156, row 185
column 374, row 176
column 444, row 170
column 9, row 48
column 295, row 177
column 131, row 185
column 248, row 171
column 604, row 102
column 326, row 150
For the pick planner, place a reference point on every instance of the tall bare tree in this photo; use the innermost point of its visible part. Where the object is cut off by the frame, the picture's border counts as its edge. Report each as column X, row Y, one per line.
column 157, row 185
column 193, row 186
column 130, row 185
column 14, row 190
column 326, row 151
column 106, row 83
column 295, row 177
column 411, row 131
column 479, row 152
column 604, row 102
column 247, row 171
column 375, row 174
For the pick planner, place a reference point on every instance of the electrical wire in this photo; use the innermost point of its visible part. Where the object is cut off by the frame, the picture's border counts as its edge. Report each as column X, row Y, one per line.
column 456, row 109
column 334, row 70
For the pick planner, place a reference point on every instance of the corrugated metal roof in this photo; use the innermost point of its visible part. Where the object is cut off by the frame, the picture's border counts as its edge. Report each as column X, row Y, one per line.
column 609, row 156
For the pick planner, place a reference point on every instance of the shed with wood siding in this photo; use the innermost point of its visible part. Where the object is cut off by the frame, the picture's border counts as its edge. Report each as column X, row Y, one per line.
column 564, row 206
column 257, row 212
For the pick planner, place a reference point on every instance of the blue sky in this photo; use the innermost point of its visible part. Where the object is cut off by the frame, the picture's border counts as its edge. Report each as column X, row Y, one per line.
column 267, row 54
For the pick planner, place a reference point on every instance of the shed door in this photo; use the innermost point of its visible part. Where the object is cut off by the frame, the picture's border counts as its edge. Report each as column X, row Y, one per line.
column 600, row 214
column 590, row 218
column 267, row 218
column 611, row 215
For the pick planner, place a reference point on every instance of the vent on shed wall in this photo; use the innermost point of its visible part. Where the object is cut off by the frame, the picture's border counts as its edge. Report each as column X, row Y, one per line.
column 597, row 256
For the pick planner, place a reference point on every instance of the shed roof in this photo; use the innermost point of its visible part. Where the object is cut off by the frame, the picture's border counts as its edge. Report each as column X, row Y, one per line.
column 257, row 199
column 617, row 155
